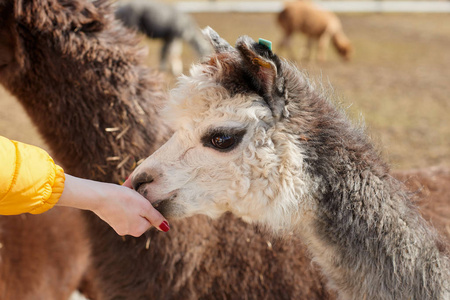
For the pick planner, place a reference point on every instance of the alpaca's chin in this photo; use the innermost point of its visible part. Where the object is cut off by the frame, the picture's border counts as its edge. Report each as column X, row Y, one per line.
column 170, row 209
column 173, row 208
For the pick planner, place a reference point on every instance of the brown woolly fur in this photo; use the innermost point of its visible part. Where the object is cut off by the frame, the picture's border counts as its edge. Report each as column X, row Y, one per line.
column 42, row 256
column 79, row 75
column 318, row 25
column 431, row 193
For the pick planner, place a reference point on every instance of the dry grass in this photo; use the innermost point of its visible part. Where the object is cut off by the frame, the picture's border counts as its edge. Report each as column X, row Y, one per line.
column 398, row 80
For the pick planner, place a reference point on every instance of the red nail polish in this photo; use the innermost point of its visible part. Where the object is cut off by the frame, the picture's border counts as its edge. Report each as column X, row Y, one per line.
column 164, row 226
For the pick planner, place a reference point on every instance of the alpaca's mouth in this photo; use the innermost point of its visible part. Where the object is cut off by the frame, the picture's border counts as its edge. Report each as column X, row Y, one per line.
column 160, row 204
column 157, row 203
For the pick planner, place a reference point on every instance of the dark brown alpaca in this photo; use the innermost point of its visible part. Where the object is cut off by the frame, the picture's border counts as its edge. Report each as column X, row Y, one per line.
column 78, row 75
column 80, row 78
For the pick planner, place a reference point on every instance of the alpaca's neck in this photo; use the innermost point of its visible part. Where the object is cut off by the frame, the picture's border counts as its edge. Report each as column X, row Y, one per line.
column 89, row 98
column 374, row 245
column 362, row 229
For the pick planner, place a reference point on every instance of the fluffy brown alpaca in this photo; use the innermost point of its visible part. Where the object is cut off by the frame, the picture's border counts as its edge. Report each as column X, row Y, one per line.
column 79, row 76
column 82, row 67
column 318, row 25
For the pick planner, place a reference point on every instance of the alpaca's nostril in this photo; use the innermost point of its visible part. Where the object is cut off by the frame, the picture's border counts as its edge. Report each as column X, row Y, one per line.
column 137, row 185
column 141, row 179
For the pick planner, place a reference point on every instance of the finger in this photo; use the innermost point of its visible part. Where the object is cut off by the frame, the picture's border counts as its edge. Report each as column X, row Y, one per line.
column 156, row 219
column 141, row 228
column 127, row 182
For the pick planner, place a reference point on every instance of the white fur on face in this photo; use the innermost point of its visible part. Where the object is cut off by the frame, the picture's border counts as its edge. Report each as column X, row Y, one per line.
column 260, row 180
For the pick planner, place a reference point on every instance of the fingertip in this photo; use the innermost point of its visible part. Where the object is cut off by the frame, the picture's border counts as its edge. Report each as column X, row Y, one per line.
column 127, row 182
column 164, row 226
column 157, row 219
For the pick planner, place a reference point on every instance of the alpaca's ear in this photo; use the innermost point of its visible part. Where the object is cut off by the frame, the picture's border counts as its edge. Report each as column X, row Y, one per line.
column 219, row 44
column 264, row 71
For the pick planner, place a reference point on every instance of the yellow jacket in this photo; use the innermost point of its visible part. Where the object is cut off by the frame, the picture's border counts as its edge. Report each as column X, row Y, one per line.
column 30, row 181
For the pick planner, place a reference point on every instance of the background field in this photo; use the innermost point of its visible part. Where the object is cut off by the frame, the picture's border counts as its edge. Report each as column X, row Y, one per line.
column 398, row 80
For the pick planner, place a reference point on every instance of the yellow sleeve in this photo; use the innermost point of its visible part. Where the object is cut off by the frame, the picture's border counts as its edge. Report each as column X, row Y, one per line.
column 30, row 181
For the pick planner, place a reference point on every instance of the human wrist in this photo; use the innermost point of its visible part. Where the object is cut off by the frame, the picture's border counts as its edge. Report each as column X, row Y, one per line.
column 81, row 193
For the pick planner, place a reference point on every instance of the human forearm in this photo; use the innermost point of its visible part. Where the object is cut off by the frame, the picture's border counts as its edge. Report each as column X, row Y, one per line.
column 122, row 208
column 82, row 193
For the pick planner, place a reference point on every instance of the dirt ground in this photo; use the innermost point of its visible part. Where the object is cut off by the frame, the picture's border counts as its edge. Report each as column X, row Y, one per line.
column 398, row 80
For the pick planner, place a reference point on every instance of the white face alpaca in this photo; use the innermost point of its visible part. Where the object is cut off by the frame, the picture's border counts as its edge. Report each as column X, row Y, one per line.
column 226, row 154
column 204, row 167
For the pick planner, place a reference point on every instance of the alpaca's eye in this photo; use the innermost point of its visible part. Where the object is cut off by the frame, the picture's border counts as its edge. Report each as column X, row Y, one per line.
column 223, row 141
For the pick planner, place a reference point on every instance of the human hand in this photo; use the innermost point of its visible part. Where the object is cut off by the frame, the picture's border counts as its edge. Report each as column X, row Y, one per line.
column 128, row 212
column 125, row 210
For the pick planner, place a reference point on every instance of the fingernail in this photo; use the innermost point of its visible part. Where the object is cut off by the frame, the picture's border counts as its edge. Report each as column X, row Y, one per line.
column 164, row 226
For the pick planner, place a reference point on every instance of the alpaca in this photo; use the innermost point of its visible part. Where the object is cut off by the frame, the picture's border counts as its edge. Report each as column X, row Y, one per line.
column 318, row 25
column 79, row 75
column 253, row 137
column 162, row 21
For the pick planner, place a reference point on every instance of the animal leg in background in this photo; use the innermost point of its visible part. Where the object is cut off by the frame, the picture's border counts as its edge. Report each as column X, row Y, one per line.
column 322, row 45
column 308, row 49
column 171, row 56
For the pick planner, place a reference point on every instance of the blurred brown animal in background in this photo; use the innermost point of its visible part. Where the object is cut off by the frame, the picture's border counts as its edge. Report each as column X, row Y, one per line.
column 318, row 25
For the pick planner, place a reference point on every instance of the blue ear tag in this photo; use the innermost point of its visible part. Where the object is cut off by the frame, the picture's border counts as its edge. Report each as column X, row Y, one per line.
column 266, row 43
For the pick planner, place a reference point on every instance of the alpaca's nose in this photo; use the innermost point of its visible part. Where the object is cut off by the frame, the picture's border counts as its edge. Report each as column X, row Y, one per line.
column 140, row 179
